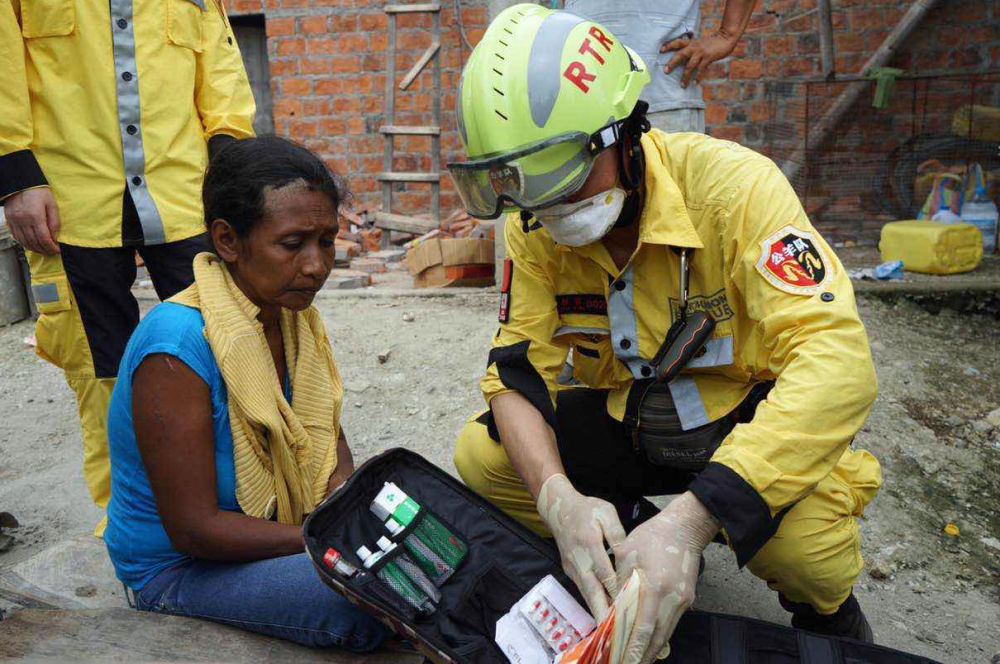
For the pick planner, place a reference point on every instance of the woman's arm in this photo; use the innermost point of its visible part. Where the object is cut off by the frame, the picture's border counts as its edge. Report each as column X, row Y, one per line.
column 345, row 464
column 172, row 415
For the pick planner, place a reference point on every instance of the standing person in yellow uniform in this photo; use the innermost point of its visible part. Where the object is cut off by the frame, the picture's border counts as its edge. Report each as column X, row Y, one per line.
column 627, row 245
column 110, row 112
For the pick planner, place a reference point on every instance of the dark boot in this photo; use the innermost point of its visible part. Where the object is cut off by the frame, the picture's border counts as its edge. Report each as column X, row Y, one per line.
column 849, row 620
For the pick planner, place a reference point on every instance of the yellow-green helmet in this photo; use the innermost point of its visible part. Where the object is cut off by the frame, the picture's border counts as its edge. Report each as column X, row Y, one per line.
column 542, row 93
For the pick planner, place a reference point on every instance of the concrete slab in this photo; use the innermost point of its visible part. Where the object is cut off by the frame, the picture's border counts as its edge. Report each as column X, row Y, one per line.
column 75, row 574
column 127, row 635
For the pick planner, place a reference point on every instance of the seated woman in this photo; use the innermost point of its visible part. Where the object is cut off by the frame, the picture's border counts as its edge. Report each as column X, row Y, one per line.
column 224, row 426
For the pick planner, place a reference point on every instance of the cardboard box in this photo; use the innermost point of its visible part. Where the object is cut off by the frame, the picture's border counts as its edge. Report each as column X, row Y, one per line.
column 439, row 262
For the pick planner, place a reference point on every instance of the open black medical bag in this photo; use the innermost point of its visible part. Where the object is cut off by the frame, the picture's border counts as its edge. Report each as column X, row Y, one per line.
column 503, row 562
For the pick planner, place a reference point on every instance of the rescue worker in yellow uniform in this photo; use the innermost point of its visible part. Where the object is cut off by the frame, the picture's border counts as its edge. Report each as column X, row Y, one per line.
column 714, row 335
column 110, row 112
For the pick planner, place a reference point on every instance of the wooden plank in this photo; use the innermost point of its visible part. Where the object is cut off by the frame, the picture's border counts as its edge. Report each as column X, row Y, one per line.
column 390, row 109
column 409, row 177
column 401, row 222
column 420, row 64
column 819, row 132
column 126, row 635
column 409, row 9
column 826, row 37
column 416, row 130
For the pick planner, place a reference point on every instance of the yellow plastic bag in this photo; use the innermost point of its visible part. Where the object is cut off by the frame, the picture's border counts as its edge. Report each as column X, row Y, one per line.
column 932, row 247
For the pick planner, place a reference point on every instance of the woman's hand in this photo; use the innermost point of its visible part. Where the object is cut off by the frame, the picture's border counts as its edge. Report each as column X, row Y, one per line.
column 697, row 54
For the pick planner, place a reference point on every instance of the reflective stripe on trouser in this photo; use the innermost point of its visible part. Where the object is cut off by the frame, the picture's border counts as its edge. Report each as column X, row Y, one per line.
column 62, row 341
column 814, row 557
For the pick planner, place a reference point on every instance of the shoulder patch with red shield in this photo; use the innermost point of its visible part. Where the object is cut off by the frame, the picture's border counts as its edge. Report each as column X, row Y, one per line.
column 508, row 276
column 792, row 261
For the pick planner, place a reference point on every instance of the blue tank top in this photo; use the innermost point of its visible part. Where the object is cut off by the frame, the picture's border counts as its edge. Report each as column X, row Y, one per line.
column 137, row 543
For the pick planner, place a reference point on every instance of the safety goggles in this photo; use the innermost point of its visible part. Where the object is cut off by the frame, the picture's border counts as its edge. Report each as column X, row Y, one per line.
column 533, row 177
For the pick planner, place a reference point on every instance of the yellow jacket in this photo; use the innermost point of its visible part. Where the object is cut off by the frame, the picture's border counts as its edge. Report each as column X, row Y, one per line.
column 97, row 96
column 783, row 303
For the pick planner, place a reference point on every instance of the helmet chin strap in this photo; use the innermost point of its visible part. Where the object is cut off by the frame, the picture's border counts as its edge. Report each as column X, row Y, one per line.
column 632, row 165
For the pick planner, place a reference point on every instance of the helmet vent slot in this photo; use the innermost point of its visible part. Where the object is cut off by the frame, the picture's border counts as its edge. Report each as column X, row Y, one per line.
column 498, row 92
column 499, row 73
column 500, row 114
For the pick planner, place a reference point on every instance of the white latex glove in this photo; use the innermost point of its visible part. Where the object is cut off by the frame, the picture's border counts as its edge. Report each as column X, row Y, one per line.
column 665, row 551
column 581, row 525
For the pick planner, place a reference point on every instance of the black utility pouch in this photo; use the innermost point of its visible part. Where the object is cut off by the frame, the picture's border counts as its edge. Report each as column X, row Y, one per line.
column 504, row 561
column 665, row 443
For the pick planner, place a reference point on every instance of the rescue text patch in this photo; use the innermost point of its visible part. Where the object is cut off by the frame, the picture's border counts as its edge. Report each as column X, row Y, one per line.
column 582, row 303
column 791, row 261
column 716, row 304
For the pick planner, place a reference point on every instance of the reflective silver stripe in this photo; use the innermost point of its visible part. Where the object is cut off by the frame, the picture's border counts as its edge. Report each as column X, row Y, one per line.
column 718, row 352
column 200, row 3
column 45, row 293
column 621, row 313
column 568, row 329
column 544, row 63
column 123, row 49
column 687, row 401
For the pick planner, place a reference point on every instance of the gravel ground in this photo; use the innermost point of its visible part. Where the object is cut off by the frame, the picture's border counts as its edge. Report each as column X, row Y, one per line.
column 939, row 378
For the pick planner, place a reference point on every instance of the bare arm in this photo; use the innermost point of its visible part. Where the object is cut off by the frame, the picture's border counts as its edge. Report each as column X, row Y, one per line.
column 172, row 415
column 345, row 464
column 697, row 54
column 529, row 442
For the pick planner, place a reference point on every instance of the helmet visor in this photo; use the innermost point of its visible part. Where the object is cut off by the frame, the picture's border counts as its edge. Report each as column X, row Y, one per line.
column 531, row 177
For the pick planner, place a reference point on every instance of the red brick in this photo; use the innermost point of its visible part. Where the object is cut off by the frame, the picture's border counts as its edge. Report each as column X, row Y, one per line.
column 412, row 40
column 761, row 111
column 366, row 144
column 802, row 66
column 862, row 19
column 316, row 65
column 715, row 113
column 313, row 108
column 727, row 132
column 474, row 16
column 803, row 23
column 379, row 41
column 353, row 42
column 333, row 126
column 278, row 27
column 372, row 22
column 291, row 47
column 347, row 64
column 874, row 39
column 283, row 67
column 346, row 105
column 287, row 108
column 344, row 22
column 323, row 45
column 742, row 69
column 848, row 42
column 295, row 86
column 313, row 25
column 356, row 125
column 412, row 20
column 475, row 35
column 779, row 45
column 300, row 129
column 332, row 86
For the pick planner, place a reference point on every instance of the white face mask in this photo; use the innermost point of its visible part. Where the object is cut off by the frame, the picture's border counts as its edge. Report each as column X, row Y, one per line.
column 583, row 222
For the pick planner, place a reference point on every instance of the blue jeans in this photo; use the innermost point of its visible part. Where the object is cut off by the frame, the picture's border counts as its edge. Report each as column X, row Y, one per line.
column 281, row 597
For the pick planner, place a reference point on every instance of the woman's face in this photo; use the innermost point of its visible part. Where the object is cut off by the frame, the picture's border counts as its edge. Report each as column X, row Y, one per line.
column 288, row 254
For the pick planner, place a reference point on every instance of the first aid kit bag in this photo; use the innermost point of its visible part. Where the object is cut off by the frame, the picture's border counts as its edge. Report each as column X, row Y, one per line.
column 441, row 566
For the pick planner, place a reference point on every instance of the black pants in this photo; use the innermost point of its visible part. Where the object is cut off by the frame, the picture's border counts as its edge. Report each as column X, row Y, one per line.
column 101, row 281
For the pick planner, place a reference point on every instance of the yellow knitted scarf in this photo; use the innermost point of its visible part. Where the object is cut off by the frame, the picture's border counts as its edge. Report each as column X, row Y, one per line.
column 284, row 455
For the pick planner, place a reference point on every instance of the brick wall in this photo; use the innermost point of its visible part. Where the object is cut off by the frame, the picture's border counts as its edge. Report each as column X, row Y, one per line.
column 770, row 91
column 327, row 63
column 328, row 60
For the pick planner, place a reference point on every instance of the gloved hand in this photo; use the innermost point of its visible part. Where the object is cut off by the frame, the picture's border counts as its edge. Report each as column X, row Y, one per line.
column 666, row 551
column 581, row 525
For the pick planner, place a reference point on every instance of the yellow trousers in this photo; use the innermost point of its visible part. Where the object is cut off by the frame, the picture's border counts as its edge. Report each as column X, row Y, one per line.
column 62, row 341
column 813, row 558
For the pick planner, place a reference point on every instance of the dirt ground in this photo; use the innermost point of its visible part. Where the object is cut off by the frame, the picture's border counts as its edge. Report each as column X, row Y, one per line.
column 939, row 377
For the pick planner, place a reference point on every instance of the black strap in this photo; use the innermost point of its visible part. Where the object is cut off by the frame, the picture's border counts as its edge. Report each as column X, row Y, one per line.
column 729, row 641
column 817, row 649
